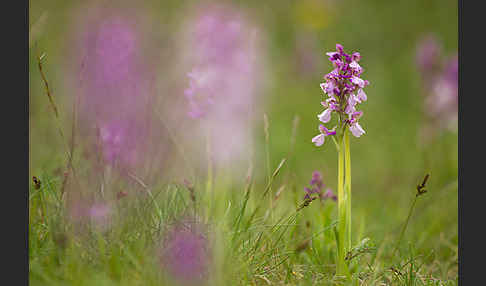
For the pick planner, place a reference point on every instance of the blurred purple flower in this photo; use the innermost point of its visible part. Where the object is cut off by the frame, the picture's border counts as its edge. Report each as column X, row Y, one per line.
column 222, row 79
column 428, row 57
column 316, row 179
column 185, row 254
column 115, row 47
column 116, row 89
column 440, row 82
column 99, row 213
column 316, row 187
column 329, row 195
column 451, row 71
column 119, row 141
column 87, row 210
column 223, row 71
column 442, row 104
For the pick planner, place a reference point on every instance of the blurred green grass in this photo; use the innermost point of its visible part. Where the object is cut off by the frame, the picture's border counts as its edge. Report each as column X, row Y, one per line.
column 387, row 161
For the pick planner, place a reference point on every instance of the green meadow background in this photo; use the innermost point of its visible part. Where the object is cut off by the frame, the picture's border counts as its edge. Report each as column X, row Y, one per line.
column 387, row 162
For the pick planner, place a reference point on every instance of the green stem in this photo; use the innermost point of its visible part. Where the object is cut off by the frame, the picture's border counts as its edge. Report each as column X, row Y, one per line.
column 405, row 225
column 341, row 211
column 347, row 187
column 267, row 153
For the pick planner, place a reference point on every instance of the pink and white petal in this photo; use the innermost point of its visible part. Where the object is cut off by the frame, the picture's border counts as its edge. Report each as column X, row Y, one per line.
column 339, row 48
column 362, row 95
column 353, row 100
column 331, row 54
column 318, row 140
column 356, row 129
column 323, row 87
column 350, row 109
column 325, row 116
column 356, row 115
column 355, row 66
column 358, row 81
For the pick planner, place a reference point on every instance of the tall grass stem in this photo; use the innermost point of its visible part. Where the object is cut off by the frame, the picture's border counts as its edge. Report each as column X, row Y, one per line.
column 402, row 232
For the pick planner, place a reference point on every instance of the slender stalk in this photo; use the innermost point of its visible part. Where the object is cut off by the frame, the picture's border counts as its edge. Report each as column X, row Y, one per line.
column 347, row 187
column 69, row 151
column 267, row 144
column 266, row 126
column 420, row 191
column 341, row 211
column 410, row 211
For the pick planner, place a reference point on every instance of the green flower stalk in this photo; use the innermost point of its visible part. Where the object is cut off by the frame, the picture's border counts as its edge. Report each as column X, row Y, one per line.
column 344, row 88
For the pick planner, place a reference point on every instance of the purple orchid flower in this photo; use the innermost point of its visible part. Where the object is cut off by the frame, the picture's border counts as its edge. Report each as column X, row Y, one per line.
column 344, row 88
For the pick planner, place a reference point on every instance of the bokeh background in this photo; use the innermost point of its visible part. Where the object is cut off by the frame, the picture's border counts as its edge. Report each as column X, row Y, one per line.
column 388, row 161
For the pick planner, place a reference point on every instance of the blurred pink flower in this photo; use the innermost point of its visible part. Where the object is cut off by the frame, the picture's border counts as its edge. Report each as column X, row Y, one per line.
column 83, row 210
column 442, row 103
column 222, row 79
column 317, row 186
column 427, row 58
column 185, row 253
column 116, row 90
column 100, row 214
column 120, row 141
column 440, row 83
column 223, row 70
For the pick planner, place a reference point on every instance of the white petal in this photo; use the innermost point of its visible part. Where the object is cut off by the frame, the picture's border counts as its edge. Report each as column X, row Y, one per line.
column 362, row 95
column 323, row 87
column 358, row 81
column 325, row 116
column 355, row 66
column 319, row 139
column 330, row 54
column 356, row 129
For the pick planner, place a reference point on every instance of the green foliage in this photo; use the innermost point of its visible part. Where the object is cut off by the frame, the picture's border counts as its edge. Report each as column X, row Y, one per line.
column 262, row 230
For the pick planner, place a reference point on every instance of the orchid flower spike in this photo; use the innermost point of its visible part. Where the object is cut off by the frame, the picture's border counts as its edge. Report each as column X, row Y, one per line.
column 344, row 89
